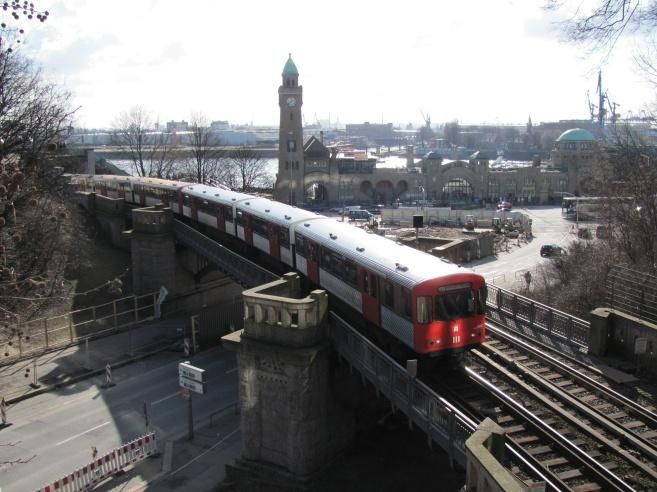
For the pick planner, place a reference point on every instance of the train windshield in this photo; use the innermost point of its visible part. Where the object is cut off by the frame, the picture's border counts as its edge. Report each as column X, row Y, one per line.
column 458, row 301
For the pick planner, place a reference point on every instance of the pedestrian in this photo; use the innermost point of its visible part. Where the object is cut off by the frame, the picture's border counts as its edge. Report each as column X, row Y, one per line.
column 94, row 452
column 3, row 410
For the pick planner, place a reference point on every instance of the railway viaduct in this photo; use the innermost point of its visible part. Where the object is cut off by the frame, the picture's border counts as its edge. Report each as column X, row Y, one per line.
column 292, row 422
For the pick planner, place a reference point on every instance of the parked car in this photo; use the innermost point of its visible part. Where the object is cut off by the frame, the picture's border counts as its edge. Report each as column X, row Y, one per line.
column 360, row 215
column 551, row 250
column 504, row 206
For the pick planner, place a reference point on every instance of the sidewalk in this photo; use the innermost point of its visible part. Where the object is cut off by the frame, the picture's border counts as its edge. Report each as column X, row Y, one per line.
column 182, row 464
column 197, row 465
column 69, row 365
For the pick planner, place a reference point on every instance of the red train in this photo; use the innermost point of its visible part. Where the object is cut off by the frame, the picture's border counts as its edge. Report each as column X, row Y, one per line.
column 431, row 305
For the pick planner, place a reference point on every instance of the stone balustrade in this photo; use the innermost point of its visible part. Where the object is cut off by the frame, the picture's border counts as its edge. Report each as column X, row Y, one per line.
column 275, row 312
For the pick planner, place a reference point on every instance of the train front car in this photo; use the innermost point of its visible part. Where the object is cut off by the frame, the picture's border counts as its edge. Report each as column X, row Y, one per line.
column 449, row 313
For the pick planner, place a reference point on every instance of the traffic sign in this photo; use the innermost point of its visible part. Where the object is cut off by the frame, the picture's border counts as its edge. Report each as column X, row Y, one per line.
column 186, row 370
column 189, row 384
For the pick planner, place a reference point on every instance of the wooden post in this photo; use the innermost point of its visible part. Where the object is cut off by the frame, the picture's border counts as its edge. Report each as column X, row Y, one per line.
column 93, row 313
column 70, row 326
column 45, row 330
column 114, row 309
column 136, row 309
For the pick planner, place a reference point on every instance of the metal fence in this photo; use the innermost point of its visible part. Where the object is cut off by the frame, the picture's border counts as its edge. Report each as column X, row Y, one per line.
column 27, row 338
column 442, row 423
column 235, row 266
column 535, row 315
column 633, row 293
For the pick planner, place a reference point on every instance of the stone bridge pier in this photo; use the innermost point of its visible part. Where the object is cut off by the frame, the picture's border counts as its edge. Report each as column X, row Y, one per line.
column 291, row 423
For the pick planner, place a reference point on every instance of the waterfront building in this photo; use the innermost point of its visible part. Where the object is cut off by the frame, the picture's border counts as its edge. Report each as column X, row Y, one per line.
column 314, row 175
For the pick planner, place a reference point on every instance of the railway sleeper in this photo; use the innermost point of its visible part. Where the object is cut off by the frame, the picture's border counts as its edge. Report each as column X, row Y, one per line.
column 587, row 487
column 521, row 441
column 570, row 474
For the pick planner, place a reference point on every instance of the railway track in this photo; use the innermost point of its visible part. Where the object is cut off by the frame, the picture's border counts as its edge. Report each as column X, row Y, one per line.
column 565, row 419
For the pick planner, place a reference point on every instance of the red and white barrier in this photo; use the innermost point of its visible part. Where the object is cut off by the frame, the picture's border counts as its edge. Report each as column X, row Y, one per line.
column 90, row 475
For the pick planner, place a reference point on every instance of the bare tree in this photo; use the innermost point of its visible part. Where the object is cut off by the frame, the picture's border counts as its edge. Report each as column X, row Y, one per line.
column 205, row 164
column 601, row 23
column 34, row 221
column 132, row 131
column 161, row 156
column 250, row 170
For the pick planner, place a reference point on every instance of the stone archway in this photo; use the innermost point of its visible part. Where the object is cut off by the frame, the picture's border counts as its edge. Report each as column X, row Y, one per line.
column 384, row 192
column 367, row 190
column 316, row 194
column 400, row 189
column 457, row 191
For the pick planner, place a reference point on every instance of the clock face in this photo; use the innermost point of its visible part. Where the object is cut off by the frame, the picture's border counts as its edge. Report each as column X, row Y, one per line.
column 291, row 101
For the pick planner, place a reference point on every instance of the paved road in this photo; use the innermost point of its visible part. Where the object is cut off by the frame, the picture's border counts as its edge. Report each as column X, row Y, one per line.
column 548, row 227
column 53, row 433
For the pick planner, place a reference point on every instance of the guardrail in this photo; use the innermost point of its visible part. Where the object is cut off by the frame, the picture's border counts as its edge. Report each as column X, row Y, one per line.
column 244, row 271
column 27, row 338
column 535, row 315
column 440, row 420
column 99, row 469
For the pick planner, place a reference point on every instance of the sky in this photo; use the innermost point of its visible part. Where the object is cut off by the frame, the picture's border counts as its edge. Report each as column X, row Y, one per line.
column 478, row 61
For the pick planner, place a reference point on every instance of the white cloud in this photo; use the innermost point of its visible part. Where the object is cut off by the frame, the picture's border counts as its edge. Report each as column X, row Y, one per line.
column 476, row 60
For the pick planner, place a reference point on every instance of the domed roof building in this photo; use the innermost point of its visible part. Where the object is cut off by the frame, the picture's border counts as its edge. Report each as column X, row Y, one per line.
column 577, row 153
column 576, row 135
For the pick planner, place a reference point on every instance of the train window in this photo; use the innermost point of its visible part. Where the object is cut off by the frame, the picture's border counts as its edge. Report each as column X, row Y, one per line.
column 241, row 218
column 228, row 214
column 314, row 252
column 284, row 237
column 482, row 295
column 365, row 284
column 406, row 303
column 187, row 201
column 300, row 245
column 350, row 272
column 206, row 207
column 455, row 304
column 423, row 309
column 336, row 264
column 259, row 226
column 388, row 296
column 374, row 286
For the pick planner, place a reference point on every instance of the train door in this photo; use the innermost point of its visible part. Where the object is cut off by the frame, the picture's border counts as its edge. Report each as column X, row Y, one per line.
column 221, row 219
column 369, row 286
column 103, row 189
column 194, row 204
column 274, row 249
column 312, row 261
column 122, row 190
column 142, row 195
column 248, row 229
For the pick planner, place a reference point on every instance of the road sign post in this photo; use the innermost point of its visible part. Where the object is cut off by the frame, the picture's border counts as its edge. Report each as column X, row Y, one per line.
column 186, row 347
column 190, row 418
column 191, row 380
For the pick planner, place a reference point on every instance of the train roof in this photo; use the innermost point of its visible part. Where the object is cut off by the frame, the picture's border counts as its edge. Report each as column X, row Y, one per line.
column 406, row 265
column 226, row 197
column 162, row 183
column 276, row 212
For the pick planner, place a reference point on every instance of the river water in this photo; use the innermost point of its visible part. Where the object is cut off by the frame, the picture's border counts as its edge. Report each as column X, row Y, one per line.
column 270, row 164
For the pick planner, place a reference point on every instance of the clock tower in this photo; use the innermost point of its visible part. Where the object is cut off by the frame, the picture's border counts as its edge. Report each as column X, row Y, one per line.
column 289, row 181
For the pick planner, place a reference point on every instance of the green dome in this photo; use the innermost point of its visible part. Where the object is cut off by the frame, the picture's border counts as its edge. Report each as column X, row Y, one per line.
column 576, row 135
column 290, row 68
